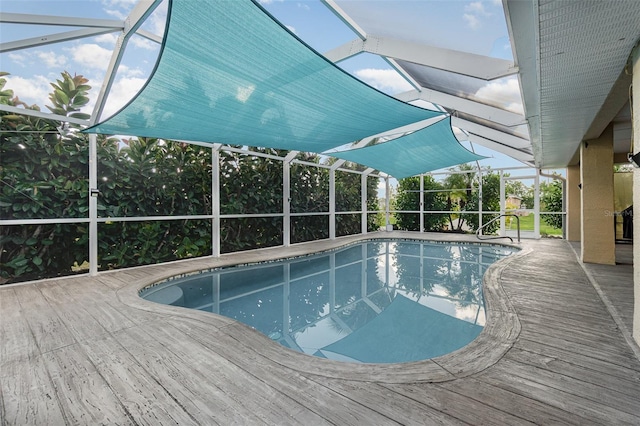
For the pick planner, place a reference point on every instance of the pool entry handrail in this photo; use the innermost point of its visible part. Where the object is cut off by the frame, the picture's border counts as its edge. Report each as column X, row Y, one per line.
column 495, row 237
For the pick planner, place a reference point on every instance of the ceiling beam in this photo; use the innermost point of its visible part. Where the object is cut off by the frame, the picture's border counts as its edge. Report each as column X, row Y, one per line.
column 525, row 157
column 617, row 98
column 487, row 112
column 149, row 36
column 489, row 133
column 469, row 64
column 522, row 18
column 40, row 114
column 54, row 38
column 346, row 19
column 403, row 73
column 22, row 18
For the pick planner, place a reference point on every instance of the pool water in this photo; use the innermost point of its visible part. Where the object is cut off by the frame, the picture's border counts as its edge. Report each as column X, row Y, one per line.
column 378, row 301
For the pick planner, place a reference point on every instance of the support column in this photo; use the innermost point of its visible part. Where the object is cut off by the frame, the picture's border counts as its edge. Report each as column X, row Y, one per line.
column 215, row 200
column 574, row 207
column 635, row 58
column 364, row 216
column 93, row 205
column 332, row 204
column 596, row 175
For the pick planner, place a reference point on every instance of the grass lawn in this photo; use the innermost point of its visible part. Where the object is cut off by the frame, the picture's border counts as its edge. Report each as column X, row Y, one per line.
column 526, row 224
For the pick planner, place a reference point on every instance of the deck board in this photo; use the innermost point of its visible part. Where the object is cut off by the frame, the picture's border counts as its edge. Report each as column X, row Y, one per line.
column 459, row 406
column 85, row 350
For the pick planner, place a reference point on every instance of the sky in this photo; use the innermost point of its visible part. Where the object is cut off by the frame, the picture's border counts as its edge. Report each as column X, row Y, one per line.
column 472, row 26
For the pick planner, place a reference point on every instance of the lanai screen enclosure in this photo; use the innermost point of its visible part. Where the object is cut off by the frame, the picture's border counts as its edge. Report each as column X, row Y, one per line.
column 252, row 82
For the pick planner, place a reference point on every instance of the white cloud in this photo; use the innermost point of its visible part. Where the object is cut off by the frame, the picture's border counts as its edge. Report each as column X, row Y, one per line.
column 91, row 55
column 17, row 58
column 474, row 12
column 122, row 91
column 116, row 14
column 119, row 9
column 292, row 29
column 109, row 39
column 476, row 8
column 51, row 59
column 387, row 81
column 516, row 107
column 157, row 21
column 127, row 4
column 127, row 72
column 472, row 21
column 506, row 92
column 33, row 90
column 304, row 6
column 144, row 43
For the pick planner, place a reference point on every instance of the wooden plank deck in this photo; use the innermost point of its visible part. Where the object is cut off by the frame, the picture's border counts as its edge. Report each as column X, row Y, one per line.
column 615, row 285
column 87, row 350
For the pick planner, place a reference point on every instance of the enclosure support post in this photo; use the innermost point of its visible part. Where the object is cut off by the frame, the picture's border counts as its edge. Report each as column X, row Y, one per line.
column 387, row 197
column 286, row 203
column 573, row 208
column 536, row 205
column 332, row 204
column 286, row 197
column 480, row 206
column 93, row 204
column 502, row 206
column 421, row 203
column 364, row 189
column 215, row 200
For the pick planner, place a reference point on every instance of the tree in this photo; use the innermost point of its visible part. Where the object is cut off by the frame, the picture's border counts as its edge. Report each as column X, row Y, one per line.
column 460, row 186
column 551, row 200
column 408, row 199
column 309, row 193
column 490, row 202
column 250, row 185
column 44, row 174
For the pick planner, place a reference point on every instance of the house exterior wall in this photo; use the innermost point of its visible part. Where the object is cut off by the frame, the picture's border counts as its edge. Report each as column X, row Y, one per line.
column 598, row 220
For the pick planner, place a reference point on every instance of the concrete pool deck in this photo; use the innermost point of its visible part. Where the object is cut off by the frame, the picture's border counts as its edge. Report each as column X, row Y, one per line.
column 88, row 350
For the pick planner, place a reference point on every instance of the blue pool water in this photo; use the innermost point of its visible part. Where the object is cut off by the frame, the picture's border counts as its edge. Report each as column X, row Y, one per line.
column 375, row 302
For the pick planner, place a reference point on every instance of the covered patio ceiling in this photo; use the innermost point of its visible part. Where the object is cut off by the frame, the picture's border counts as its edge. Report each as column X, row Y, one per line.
column 571, row 57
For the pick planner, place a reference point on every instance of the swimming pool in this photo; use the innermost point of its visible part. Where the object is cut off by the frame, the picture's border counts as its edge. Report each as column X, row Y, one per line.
column 380, row 301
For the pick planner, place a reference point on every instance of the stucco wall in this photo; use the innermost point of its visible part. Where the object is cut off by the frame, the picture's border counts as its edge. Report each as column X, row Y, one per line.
column 596, row 175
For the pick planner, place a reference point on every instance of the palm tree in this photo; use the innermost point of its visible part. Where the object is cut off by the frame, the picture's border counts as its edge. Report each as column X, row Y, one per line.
column 460, row 186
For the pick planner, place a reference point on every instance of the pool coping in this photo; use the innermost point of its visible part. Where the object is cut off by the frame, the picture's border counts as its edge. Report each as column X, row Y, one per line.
column 501, row 330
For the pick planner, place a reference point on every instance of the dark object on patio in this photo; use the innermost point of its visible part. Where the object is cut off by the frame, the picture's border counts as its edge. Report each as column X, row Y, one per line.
column 627, row 222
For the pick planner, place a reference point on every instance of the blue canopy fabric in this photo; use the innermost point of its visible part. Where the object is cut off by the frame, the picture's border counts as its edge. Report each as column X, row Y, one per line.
column 408, row 331
column 228, row 72
column 431, row 148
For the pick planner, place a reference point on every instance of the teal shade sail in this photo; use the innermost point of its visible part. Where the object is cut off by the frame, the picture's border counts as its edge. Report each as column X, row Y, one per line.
column 228, row 72
column 408, row 331
column 431, row 148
